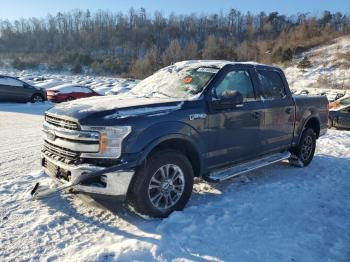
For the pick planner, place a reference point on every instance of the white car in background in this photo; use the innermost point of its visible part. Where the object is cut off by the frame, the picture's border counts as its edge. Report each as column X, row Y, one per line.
column 103, row 89
column 123, row 87
column 49, row 84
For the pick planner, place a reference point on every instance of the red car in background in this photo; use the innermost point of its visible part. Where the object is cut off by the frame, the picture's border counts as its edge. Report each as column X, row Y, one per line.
column 70, row 92
column 341, row 102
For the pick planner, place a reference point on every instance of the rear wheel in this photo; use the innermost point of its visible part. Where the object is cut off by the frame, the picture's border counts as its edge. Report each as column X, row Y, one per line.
column 70, row 98
column 305, row 150
column 37, row 98
column 162, row 185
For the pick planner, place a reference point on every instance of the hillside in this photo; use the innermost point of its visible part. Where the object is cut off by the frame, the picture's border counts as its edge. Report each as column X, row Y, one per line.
column 330, row 68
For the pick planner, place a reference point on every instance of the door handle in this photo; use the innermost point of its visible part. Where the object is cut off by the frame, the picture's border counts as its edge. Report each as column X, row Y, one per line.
column 289, row 110
column 256, row 115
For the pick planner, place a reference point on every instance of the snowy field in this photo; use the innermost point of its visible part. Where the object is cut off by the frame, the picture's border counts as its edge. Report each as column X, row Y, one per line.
column 280, row 213
column 329, row 71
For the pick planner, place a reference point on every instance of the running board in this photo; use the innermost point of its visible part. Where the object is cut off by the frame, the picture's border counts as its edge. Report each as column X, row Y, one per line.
column 223, row 174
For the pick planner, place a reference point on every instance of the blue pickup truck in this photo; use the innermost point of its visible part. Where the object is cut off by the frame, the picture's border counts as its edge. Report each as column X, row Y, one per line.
column 208, row 119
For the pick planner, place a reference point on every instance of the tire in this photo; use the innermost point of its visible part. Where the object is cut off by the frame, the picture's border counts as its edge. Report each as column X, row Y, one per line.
column 70, row 98
column 305, row 150
column 37, row 98
column 151, row 194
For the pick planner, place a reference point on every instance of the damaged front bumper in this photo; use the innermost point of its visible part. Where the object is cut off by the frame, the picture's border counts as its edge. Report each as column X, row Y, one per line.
column 111, row 181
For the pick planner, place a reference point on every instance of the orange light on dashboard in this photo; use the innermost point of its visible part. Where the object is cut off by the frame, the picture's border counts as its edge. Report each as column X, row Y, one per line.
column 187, row 80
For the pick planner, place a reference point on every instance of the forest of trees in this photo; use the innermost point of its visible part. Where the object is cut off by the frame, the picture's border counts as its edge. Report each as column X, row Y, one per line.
column 136, row 44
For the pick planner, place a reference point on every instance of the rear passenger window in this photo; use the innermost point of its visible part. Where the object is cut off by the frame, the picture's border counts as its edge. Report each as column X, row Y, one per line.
column 271, row 84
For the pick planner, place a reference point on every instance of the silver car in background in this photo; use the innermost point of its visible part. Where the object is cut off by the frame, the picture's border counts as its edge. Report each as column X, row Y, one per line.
column 15, row 90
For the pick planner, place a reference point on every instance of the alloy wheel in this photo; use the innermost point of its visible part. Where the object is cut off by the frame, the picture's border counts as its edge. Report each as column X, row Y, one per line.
column 37, row 99
column 306, row 148
column 166, row 186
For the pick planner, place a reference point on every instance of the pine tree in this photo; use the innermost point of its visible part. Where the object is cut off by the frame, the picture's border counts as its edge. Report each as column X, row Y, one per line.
column 305, row 63
column 190, row 51
column 173, row 53
column 210, row 48
column 146, row 66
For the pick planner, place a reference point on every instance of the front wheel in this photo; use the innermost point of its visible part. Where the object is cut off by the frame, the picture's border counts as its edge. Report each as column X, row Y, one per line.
column 70, row 98
column 37, row 98
column 163, row 184
column 305, row 150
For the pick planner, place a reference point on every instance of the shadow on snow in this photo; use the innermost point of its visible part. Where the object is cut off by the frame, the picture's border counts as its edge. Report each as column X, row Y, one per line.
column 323, row 167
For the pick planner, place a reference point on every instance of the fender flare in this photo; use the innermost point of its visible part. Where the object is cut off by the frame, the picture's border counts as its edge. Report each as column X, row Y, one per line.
column 162, row 139
column 152, row 145
column 304, row 125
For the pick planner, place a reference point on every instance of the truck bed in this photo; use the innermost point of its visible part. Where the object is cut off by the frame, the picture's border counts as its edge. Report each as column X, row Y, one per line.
column 310, row 106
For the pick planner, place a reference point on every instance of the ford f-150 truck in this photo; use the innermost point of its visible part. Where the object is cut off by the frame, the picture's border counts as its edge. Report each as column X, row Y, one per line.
column 207, row 119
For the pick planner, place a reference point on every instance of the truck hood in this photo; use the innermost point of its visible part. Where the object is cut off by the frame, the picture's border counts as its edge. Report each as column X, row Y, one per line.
column 115, row 107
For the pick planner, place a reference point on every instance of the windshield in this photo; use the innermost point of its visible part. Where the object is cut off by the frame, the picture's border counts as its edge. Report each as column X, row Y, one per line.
column 175, row 82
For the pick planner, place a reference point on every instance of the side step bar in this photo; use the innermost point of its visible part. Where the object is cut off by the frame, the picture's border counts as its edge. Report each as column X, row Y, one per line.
column 223, row 174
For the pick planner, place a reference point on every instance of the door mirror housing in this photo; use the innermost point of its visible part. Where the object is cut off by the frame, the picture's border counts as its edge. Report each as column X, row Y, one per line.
column 232, row 97
column 228, row 99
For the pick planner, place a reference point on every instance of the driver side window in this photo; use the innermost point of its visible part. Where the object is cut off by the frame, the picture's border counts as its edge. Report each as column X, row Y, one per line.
column 236, row 80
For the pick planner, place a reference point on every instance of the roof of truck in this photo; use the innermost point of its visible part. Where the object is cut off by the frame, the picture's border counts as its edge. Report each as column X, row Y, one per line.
column 218, row 63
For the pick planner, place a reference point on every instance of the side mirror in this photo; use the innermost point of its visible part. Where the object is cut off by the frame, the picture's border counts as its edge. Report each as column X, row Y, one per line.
column 228, row 100
column 232, row 98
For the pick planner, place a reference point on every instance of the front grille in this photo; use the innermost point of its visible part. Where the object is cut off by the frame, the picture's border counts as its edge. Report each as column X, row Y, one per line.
column 59, row 153
column 60, row 122
column 56, row 171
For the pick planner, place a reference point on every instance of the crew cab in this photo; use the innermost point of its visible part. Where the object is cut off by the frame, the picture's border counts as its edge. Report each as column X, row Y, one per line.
column 208, row 119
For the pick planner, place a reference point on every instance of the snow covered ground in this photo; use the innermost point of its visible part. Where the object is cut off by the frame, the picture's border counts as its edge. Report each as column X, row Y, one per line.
column 280, row 213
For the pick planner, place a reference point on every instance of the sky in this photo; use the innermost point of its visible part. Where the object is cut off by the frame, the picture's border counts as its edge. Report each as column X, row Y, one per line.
column 15, row 9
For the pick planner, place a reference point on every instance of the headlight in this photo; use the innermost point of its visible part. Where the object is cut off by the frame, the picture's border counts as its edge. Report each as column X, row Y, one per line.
column 111, row 139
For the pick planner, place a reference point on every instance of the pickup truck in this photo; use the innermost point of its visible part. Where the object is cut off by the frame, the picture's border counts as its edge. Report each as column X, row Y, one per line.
column 207, row 119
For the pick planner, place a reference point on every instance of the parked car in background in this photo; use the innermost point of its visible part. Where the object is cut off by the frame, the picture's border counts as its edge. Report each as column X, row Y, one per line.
column 304, row 92
column 340, row 118
column 341, row 102
column 118, row 90
column 122, row 87
column 70, row 92
column 49, row 83
column 338, row 96
column 103, row 89
column 15, row 90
